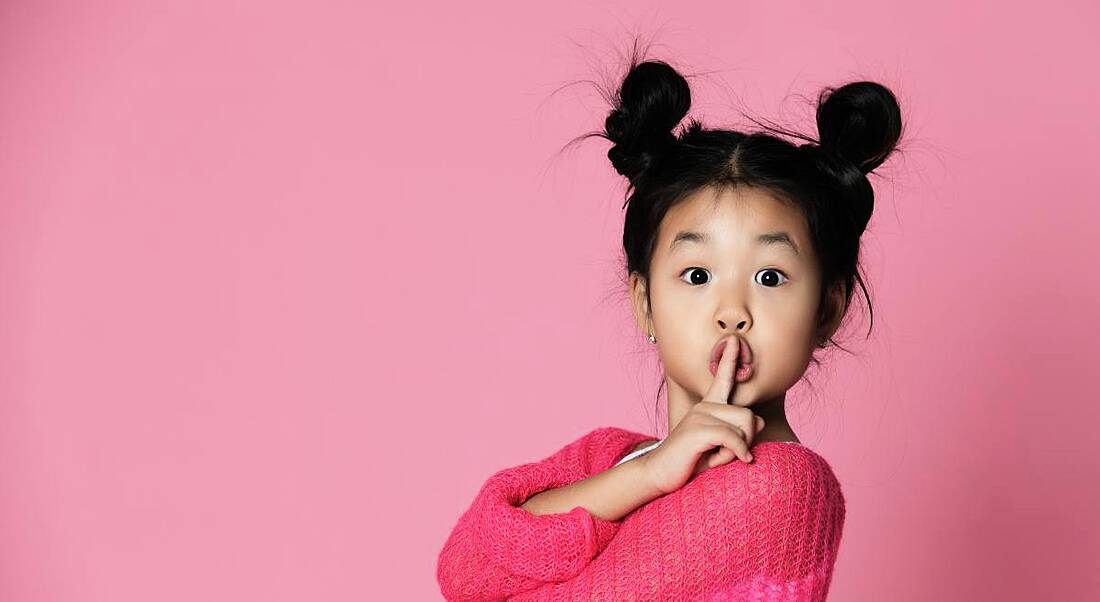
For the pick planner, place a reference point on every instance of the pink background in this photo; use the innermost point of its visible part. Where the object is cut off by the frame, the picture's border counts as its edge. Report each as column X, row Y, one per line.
column 284, row 283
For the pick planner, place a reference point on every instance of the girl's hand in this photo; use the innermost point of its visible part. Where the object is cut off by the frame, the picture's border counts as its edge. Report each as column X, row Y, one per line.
column 712, row 433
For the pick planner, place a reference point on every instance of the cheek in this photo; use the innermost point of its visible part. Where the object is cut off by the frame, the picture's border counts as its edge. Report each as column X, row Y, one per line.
column 795, row 313
column 786, row 341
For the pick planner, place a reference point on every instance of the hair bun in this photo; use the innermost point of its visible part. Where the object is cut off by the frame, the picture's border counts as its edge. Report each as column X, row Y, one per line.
column 859, row 121
column 651, row 101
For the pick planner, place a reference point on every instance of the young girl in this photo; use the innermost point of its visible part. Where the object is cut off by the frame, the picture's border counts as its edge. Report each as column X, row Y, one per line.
column 742, row 255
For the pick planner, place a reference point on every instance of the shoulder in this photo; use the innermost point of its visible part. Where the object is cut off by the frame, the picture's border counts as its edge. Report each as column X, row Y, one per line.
column 782, row 475
column 805, row 484
column 779, row 518
column 797, row 464
column 788, row 493
column 788, row 453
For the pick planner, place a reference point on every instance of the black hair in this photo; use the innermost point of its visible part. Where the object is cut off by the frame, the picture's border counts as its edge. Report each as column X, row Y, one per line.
column 859, row 125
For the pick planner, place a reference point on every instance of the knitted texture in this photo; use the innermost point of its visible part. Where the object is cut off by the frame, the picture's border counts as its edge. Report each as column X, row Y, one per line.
column 769, row 530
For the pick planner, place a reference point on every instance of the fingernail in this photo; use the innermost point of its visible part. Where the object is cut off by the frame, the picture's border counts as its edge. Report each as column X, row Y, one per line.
column 750, row 457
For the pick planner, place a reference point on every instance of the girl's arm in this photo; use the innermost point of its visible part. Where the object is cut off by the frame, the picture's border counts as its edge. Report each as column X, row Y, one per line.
column 765, row 531
column 610, row 495
column 499, row 549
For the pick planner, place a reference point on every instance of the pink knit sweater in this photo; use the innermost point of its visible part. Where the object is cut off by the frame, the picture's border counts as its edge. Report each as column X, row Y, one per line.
column 769, row 530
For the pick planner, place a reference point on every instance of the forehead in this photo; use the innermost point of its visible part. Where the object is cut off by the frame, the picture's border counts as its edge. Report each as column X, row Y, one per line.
column 733, row 217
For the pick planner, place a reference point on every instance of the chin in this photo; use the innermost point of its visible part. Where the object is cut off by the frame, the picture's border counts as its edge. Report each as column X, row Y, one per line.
column 741, row 397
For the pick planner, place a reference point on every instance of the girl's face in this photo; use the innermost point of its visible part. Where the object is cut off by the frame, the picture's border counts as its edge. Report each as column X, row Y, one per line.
column 735, row 263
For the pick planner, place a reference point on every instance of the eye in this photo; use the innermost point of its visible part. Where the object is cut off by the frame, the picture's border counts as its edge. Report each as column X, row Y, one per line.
column 770, row 282
column 693, row 280
column 771, row 279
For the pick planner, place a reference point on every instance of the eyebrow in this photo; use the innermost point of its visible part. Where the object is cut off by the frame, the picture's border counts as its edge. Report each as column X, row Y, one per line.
column 767, row 238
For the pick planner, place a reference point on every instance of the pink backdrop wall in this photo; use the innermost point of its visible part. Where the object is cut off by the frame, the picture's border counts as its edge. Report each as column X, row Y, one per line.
column 284, row 283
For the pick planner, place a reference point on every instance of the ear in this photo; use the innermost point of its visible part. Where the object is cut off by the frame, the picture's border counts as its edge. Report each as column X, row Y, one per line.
column 833, row 311
column 638, row 288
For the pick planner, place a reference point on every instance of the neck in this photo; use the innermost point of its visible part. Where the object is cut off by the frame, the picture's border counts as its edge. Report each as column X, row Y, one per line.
column 772, row 410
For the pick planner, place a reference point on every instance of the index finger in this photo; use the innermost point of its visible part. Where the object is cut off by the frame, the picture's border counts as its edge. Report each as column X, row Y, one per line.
column 720, row 388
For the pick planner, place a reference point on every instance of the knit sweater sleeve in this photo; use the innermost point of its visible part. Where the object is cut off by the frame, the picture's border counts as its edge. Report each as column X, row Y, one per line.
column 763, row 531
column 498, row 549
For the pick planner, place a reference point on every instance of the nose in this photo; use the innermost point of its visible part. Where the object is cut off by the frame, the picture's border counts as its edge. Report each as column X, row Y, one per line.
column 733, row 315
column 742, row 325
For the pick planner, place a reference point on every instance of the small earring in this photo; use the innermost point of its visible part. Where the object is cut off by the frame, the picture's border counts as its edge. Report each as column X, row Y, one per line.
column 651, row 339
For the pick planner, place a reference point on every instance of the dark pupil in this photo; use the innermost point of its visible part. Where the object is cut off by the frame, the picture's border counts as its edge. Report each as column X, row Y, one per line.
column 696, row 276
column 770, row 275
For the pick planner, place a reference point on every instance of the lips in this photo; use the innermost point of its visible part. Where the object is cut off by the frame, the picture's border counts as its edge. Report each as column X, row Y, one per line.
column 745, row 356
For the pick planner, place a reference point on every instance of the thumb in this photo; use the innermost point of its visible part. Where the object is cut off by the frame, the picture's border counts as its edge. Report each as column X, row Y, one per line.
column 759, row 424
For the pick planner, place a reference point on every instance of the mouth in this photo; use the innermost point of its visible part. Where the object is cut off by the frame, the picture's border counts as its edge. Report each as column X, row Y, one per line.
column 744, row 368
